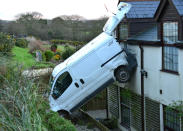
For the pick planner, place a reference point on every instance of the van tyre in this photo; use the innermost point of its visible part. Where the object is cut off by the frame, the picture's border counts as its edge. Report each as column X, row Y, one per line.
column 122, row 75
column 64, row 114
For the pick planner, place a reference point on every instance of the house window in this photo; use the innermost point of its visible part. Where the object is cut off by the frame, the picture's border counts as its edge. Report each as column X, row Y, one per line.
column 125, row 111
column 170, row 53
column 172, row 120
column 123, row 31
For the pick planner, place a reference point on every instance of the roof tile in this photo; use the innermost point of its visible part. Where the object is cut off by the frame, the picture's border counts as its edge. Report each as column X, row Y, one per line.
column 143, row 9
column 179, row 6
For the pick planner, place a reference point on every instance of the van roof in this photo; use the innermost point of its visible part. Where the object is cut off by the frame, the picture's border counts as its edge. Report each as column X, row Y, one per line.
column 100, row 40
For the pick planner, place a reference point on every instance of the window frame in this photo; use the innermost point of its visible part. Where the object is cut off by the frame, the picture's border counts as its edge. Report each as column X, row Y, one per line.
column 126, row 125
column 119, row 33
column 169, row 45
column 126, row 104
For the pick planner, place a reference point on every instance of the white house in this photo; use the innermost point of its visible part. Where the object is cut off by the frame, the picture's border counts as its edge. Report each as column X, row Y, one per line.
column 153, row 31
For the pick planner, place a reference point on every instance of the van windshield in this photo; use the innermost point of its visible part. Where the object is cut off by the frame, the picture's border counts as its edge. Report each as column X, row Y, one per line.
column 61, row 84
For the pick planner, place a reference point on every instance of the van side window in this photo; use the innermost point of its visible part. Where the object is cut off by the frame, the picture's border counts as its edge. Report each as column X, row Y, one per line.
column 62, row 83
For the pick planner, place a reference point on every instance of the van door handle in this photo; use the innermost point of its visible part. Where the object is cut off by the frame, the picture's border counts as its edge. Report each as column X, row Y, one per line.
column 82, row 81
column 76, row 84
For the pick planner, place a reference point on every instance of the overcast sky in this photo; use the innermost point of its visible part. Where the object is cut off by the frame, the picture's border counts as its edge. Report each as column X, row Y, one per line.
column 90, row 9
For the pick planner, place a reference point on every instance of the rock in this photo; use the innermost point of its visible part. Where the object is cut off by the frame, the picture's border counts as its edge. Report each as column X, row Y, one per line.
column 36, row 72
column 38, row 56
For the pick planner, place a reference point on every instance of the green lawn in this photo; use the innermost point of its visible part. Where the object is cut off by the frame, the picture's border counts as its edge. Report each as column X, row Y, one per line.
column 22, row 56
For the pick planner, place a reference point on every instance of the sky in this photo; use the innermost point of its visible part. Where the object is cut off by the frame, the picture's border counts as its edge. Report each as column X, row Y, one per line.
column 90, row 9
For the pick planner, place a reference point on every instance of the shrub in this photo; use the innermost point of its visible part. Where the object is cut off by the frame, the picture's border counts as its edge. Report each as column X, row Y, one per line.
column 55, row 123
column 90, row 125
column 6, row 44
column 3, row 69
column 22, row 108
column 35, row 45
column 57, row 55
column 110, row 123
column 74, row 43
column 48, row 54
column 68, row 52
column 23, row 43
column 54, row 47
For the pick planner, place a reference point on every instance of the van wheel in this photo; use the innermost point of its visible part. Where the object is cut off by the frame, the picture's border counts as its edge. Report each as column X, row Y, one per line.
column 64, row 114
column 122, row 75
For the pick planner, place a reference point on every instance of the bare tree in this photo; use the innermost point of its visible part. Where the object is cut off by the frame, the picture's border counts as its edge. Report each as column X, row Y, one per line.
column 29, row 16
column 72, row 17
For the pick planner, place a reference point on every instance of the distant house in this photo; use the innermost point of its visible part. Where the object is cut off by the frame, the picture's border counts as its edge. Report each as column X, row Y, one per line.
column 153, row 31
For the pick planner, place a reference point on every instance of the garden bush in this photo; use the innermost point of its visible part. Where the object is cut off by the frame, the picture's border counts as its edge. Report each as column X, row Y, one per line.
column 6, row 43
column 67, row 52
column 74, row 43
column 35, row 45
column 53, row 47
column 23, row 43
column 22, row 108
column 5, row 69
column 57, row 55
column 49, row 55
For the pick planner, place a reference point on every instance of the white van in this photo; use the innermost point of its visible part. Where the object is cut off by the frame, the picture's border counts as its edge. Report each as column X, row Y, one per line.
column 90, row 70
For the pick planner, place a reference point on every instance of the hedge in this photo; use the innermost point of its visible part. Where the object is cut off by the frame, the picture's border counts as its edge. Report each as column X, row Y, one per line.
column 74, row 43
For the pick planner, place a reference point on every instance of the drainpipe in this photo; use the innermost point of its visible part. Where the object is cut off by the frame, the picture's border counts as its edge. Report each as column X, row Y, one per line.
column 143, row 73
column 107, row 106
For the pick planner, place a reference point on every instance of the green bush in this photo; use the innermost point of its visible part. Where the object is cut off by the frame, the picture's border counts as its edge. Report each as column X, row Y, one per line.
column 6, row 44
column 110, row 123
column 67, row 52
column 53, row 47
column 23, row 108
column 57, row 55
column 55, row 123
column 5, row 69
column 48, row 54
column 23, row 43
column 74, row 43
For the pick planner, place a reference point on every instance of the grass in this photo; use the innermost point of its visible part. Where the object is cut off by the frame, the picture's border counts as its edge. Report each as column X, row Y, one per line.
column 22, row 56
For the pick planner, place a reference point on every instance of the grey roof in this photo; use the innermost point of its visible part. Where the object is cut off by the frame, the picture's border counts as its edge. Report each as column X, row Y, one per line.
column 143, row 9
column 179, row 6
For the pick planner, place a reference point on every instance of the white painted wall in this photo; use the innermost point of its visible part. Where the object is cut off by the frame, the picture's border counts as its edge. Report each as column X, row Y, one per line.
column 170, row 84
column 134, row 83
